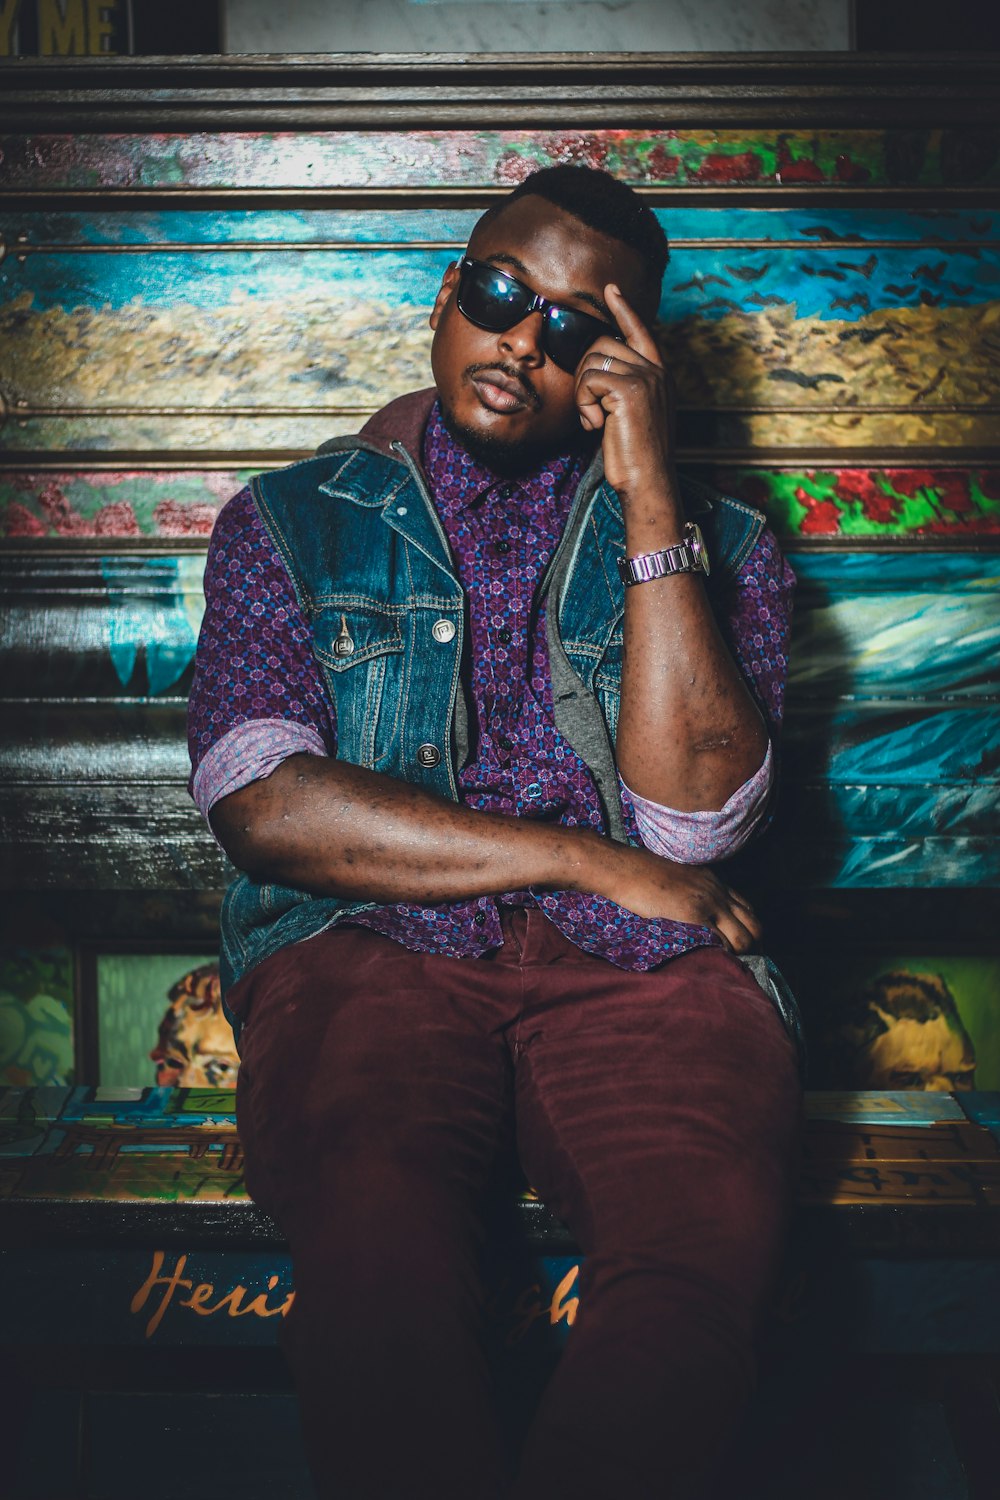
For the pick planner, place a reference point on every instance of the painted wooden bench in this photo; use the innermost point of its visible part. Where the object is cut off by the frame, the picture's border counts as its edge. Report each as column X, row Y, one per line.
column 130, row 1249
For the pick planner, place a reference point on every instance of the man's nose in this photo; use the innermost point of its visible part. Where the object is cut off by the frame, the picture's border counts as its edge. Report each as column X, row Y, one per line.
column 523, row 342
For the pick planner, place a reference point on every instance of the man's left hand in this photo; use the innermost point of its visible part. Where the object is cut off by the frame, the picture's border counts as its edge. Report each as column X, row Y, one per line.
column 631, row 401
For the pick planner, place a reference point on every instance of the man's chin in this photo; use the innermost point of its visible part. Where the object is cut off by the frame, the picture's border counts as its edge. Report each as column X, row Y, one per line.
column 501, row 451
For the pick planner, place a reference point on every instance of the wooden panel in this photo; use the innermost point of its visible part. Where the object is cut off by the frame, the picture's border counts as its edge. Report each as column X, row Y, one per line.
column 189, row 330
column 890, row 750
column 940, row 505
column 178, row 1145
column 483, row 158
column 181, row 306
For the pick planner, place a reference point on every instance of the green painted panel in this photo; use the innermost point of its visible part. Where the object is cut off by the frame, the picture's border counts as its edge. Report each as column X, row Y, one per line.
column 867, row 504
column 489, row 158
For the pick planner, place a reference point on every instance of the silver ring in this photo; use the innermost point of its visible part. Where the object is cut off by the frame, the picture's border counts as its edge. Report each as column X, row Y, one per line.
column 607, row 362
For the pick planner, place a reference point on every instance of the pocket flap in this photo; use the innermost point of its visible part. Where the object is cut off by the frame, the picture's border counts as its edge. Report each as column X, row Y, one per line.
column 345, row 636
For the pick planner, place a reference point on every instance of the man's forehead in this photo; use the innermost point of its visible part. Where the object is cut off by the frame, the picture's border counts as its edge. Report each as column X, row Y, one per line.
column 535, row 238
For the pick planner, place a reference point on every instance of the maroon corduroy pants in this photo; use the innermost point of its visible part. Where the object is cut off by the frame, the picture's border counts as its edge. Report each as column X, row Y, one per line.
column 657, row 1114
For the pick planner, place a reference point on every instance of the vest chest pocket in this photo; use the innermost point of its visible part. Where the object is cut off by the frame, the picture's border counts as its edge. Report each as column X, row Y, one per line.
column 360, row 649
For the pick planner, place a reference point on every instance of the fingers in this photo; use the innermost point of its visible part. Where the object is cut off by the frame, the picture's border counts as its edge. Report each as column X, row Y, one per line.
column 600, row 375
column 636, row 333
column 733, row 919
column 735, row 935
column 746, row 914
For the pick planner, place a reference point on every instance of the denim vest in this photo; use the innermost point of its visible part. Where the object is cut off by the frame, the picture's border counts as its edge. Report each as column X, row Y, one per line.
column 373, row 573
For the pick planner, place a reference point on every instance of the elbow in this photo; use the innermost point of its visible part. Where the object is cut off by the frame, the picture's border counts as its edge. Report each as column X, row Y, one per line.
column 252, row 830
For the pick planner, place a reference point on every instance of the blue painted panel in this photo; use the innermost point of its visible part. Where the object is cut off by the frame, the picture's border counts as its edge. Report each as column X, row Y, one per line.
column 919, row 625
column 813, row 276
column 969, row 232
column 701, row 282
column 893, row 862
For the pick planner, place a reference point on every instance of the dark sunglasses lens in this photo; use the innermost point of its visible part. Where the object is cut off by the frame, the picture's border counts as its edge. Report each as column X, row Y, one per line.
column 490, row 298
column 569, row 335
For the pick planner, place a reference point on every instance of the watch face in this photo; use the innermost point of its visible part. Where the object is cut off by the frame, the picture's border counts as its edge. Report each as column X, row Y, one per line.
column 696, row 542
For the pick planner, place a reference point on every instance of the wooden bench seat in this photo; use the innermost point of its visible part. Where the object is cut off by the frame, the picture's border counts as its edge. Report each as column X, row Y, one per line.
column 141, row 1288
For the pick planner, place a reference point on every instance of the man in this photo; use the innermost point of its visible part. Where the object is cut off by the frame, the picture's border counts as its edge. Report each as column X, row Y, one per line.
column 473, row 777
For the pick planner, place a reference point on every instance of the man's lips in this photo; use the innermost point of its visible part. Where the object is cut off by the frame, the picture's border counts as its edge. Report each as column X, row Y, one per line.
column 501, row 392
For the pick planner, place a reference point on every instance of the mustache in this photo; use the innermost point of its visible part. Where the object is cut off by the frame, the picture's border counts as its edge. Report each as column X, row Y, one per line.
column 512, row 373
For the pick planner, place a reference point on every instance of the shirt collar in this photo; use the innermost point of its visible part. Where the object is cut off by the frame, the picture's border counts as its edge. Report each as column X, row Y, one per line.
column 457, row 480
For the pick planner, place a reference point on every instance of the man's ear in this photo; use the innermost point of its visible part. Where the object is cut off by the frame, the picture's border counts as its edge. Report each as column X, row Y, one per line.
column 448, row 285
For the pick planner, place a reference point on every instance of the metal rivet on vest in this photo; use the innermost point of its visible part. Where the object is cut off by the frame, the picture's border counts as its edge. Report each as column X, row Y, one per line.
column 343, row 645
column 401, row 510
column 428, row 756
column 443, row 631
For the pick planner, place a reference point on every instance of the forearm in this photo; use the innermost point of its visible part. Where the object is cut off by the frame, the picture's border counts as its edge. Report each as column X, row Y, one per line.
column 689, row 732
column 327, row 826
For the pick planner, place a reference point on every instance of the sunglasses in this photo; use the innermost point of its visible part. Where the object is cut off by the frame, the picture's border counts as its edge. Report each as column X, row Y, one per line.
column 492, row 299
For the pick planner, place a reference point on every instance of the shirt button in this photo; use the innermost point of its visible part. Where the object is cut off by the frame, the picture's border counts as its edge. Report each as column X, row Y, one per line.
column 428, row 756
column 501, row 545
column 504, row 742
column 533, row 789
column 503, row 636
column 480, row 919
column 443, row 631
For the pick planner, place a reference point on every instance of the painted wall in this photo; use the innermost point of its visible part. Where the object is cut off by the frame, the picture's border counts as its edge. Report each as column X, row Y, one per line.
column 535, row 26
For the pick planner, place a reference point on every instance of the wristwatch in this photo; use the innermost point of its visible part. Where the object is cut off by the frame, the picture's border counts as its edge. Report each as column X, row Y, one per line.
column 688, row 556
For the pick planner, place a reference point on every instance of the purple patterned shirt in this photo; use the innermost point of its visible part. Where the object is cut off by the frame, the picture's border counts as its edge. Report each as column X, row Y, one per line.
column 258, row 697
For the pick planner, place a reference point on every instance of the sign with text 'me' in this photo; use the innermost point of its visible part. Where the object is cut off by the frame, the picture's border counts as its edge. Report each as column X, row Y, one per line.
column 65, row 28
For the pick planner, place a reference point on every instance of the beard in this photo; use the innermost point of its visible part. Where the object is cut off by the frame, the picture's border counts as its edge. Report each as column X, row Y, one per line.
column 509, row 458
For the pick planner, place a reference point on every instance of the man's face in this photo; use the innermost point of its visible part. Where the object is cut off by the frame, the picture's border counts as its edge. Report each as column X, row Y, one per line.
column 503, row 399
column 912, row 1054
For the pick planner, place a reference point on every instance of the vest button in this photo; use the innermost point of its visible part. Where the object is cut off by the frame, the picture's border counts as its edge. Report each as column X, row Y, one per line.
column 428, row 756
column 443, row 631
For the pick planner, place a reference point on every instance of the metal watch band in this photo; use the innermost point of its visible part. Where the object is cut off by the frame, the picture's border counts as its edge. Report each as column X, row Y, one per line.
column 683, row 557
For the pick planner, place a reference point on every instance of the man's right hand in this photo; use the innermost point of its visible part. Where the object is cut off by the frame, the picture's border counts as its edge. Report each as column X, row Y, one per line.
column 650, row 886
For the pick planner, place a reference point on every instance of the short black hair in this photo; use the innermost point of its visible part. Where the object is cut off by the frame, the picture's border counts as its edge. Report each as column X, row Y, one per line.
column 604, row 203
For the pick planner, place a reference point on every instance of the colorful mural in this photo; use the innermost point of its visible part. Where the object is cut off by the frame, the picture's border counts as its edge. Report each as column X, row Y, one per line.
column 904, row 1020
column 836, row 364
column 501, row 158
column 137, row 1042
column 857, row 503
column 36, row 1017
column 196, row 1047
column 237, row 333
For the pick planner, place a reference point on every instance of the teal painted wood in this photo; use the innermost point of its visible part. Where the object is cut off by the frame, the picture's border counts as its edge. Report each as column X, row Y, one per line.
column 824, row 230
column 891, row 746
column 892, row 742
column 917, row 626
column 799, row 256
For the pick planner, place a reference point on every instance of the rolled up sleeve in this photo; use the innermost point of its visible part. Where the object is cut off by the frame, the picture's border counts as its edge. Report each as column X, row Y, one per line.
column 698, row 838
column 258, row 695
